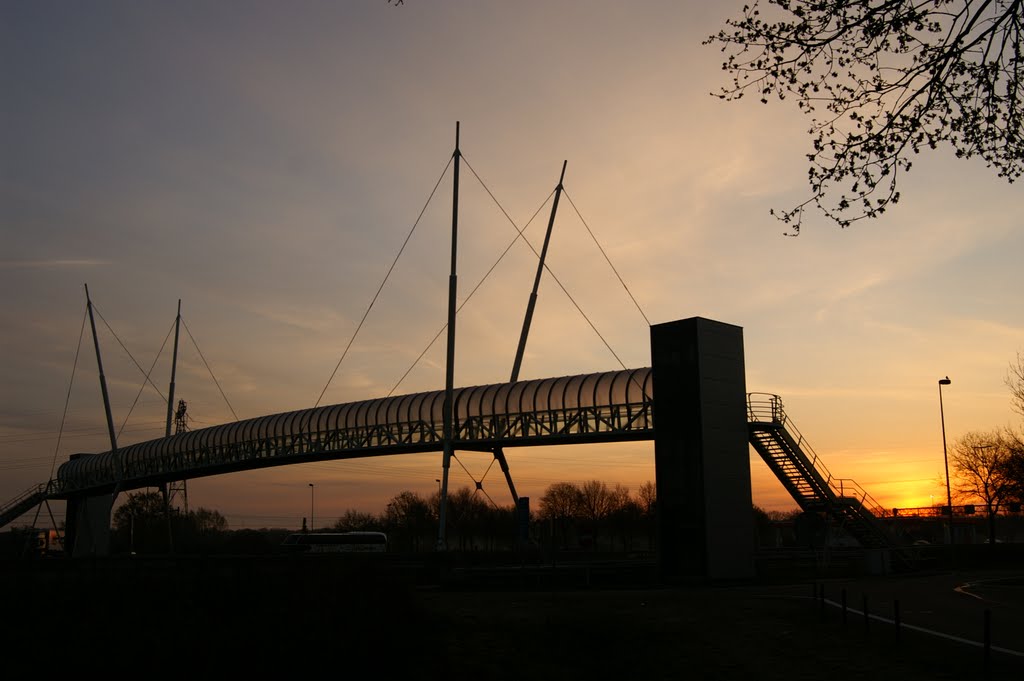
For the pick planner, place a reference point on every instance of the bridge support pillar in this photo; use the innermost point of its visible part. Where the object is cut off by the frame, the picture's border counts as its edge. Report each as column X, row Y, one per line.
column 701, row 451
column 87, row 532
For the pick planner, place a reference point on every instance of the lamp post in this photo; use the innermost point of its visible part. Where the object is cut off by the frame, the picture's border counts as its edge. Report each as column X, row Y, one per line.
column 438, row 481
column 310, row 507
column 945, row 459
column 945, row 456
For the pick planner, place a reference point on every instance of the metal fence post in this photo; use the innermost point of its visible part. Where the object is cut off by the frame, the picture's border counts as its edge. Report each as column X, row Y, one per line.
column 988, row 642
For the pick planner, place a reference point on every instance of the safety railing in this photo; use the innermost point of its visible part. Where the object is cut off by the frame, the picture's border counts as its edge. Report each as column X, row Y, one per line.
column 765, row 408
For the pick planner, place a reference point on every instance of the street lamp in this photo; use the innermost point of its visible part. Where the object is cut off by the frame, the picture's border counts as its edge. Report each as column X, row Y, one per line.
column 945, row 456
column 438, row 481
column 310, row 507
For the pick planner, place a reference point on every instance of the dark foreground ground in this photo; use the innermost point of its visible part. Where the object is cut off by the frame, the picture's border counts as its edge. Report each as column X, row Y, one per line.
column 393, row 620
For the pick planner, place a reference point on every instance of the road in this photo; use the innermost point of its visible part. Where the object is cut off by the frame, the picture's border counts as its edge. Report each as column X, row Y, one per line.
column 946, row 604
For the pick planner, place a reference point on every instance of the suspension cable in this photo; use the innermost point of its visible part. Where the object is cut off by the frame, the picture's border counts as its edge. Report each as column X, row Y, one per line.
column 458, row 461
column 189, row 332
column 484, row 492
column 143, row 386
column 628, row 292
column 143, row 371
column 475, row 288
column 520, row 234
column 498, row 203
column 67, row 400
column 584, row 314
column 382, row 283
column 548, row 270
column 478, row 484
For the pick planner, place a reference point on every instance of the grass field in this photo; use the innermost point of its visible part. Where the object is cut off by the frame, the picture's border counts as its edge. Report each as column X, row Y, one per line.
column 274, row 617
column 678, row 633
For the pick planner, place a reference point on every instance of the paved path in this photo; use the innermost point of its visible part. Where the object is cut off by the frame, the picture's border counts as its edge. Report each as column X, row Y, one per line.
column 948, row 603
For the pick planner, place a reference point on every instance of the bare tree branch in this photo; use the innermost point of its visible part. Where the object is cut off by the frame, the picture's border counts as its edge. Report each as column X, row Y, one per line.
column 882, row 81
column 1015, row 382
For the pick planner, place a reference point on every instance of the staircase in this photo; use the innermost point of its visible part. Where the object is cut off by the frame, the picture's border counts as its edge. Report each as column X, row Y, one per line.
column 24, row 502
column 803, row 474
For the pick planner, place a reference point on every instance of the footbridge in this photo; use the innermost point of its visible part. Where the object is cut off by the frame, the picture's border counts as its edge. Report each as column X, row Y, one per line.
column 702, row 422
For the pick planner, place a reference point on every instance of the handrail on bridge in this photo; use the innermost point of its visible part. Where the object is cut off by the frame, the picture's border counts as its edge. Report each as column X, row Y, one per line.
column 768, row 408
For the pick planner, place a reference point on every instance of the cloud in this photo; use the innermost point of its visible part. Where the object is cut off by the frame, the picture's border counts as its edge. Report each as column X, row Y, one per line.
column 53, row 263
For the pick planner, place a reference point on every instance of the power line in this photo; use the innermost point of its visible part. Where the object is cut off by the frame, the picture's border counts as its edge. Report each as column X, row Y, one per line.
column 77, row 432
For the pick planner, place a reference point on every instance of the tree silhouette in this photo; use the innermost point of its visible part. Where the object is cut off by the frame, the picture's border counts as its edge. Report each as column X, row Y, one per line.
column 598, row 502
column 983, row 471
column 560, row 505
column 593, row 509
column 883, row 80
column 356, row 521
column 468, row 514
column 647, row 497
column 141, row 525
column 1015, row 382
column 409, row 520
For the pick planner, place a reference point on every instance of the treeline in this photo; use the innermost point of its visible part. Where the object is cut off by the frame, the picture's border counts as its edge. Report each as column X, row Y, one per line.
column 568, row 516
column 594, row 515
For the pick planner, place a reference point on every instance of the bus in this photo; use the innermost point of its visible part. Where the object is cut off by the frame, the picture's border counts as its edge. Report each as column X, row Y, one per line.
column 336, row 542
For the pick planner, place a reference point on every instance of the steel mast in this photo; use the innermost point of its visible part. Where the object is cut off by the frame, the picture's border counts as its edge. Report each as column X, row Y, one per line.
column 449, row 381
column 499, row 453
column 174, row 369
column 103, row 380
column 164, row 491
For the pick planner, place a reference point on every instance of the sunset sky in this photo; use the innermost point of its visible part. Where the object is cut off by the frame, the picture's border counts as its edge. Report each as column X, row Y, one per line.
column 263, row 162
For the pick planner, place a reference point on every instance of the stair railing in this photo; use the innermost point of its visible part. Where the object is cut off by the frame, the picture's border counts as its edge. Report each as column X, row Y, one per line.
column 31, row 491
column 41, row 488
column 767, row 408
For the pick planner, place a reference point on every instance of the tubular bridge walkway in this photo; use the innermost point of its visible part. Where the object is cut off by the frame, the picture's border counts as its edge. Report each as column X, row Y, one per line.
column 600, row 407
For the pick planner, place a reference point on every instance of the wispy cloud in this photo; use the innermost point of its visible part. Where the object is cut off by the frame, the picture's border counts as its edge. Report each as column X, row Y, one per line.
column 852, row 290
column 52, row 263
